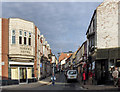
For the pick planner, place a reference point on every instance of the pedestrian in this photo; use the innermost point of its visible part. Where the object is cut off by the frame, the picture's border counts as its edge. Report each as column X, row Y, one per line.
column 53, row 79
column 115, row 76
column 84, row 77
column 90, row 77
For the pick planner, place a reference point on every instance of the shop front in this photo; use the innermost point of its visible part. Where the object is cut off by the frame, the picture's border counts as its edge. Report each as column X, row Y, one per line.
column 105, row 62
column 21, row 72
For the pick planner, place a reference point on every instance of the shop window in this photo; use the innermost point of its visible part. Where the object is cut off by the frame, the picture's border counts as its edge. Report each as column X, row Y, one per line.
column 13, row 36
column 14, row 73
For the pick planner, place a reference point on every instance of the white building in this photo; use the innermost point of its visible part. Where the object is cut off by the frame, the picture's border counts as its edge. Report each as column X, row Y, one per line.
column 103, row 38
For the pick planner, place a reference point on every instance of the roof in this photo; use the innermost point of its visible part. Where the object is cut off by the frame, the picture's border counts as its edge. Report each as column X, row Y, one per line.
column 91, row 21
column 64, row 55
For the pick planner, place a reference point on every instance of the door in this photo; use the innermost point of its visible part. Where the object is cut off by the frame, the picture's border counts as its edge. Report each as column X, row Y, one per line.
column 23, row 75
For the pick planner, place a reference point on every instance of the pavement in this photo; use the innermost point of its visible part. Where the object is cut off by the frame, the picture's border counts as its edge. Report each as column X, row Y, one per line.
column 21, row 86
column 89, row 86
column 101, row 87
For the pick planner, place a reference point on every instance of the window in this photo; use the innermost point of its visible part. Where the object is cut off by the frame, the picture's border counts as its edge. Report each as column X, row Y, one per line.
column 13, row 36
column 25, row 39
column 20, row 37
column 29, row 39
column 93, row 41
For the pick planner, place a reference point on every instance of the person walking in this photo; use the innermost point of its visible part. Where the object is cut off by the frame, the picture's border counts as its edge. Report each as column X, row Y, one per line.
column 115, row 76
column 53, row 80
column 84, row 77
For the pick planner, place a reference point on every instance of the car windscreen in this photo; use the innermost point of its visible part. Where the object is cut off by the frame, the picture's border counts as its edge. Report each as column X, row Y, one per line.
column 72, row 72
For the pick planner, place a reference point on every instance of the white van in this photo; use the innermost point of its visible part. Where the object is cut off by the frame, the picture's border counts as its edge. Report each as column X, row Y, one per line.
column 72, row 75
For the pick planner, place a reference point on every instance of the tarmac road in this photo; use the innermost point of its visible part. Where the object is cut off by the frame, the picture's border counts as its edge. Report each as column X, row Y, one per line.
column 60, row 84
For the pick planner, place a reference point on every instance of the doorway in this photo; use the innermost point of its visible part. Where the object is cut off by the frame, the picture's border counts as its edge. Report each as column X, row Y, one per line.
column 23, row 75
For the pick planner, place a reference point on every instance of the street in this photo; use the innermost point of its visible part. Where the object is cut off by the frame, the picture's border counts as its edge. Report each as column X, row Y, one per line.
column 60, row 84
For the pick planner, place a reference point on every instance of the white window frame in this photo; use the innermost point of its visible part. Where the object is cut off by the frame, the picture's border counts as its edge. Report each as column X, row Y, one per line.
column 30, row 37
column 20, row 35
column 25, row 36
column 12, row 36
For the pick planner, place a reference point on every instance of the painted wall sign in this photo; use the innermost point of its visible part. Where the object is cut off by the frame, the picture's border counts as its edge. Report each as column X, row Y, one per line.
column 25, row 50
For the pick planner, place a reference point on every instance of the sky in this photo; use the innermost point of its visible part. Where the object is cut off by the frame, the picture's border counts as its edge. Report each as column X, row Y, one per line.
column 63, row 24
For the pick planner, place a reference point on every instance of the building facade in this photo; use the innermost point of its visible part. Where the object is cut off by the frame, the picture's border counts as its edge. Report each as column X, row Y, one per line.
column 0, row 49
column 62, row 59
column 21, row 51
column 103, row 40
column 81, row 58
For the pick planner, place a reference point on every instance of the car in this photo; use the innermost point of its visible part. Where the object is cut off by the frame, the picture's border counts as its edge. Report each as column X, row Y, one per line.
column 72, row 75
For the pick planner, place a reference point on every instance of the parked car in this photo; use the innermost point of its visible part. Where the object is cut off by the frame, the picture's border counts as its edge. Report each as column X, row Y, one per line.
column 72, row 75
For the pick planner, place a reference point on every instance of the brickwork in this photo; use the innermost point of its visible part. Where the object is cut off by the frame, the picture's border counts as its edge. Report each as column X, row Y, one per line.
column 5, row 48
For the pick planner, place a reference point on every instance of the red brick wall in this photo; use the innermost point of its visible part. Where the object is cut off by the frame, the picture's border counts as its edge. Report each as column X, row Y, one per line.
column 35, row 62
column 5, row 42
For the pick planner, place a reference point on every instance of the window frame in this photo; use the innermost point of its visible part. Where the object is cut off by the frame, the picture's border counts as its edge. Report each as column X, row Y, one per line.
column 25, row 36
column 13, row 35
column 29, row 39
column 20, row 35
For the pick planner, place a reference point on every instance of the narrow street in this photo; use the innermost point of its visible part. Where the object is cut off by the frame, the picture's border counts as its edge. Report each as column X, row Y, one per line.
column 60, row 84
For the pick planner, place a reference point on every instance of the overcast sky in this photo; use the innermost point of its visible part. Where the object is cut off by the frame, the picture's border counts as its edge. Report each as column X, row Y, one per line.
column 64, row 24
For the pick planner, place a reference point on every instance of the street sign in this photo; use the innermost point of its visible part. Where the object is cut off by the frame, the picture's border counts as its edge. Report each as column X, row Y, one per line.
column 40, row 65
column 3, row 63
